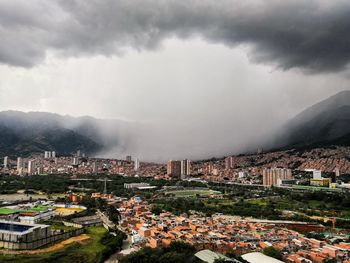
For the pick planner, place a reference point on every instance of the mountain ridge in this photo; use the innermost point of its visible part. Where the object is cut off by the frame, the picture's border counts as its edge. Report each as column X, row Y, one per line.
column 322, row 124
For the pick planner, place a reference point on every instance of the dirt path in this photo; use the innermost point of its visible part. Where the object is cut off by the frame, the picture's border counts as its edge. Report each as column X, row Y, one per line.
column 62, row 244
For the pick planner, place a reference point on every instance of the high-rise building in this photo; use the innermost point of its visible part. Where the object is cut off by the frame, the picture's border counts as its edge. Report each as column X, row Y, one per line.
column 47, row 154
column 53, row 154
column 5, row 162
column 128, row 158
column 40, row 170
column 136, row 164
column 242, row 174
column 75, row 160
column 270, row 176
column 185, row 167
column 20, row 163
column 94, row 167
column 174, row 168
column 209, row 168
column 229, row 162
column 78, row 153
column 31, row 167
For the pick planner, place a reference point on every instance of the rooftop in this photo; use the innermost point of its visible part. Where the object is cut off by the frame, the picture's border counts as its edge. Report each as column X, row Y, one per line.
column 257, row 257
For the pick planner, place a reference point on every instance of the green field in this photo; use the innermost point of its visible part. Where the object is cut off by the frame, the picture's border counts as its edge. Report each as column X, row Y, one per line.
column 91, row 252
column 7, row 211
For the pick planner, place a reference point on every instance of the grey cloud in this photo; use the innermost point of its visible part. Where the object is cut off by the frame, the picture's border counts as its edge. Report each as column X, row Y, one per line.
column 312, row 35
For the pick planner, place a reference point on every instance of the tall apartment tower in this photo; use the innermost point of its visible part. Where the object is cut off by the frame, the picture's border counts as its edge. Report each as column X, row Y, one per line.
column 47, row 154
column 31, row 167
column 260, row 150
column 20, row 166
column 94, row 167
column 174, row 168
column 229, row 162
column 128, row 158
column 75, row 160
column 5, row 162
column 136, row 164
column 185, row 167
column 270, row 176
column 20, row 163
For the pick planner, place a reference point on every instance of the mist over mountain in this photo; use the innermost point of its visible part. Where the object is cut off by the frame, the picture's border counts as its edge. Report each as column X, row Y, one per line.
column 325, row 123
column 34, row 132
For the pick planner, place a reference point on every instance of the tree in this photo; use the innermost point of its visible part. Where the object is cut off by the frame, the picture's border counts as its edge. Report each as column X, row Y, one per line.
column 156, row 210
column 272, row 252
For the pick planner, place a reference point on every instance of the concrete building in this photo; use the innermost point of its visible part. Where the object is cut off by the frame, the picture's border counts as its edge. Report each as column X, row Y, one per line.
column 128, row 158
column 325, row 182
column 229, row 162
column 185, row 167
column 20, row 166
column 281, row 182
column 47, row 154
column 174, row 168
column 40, row 170
column 242, row 174
column 75, row 160
column 317, row 174
column 5, row 162
column 337, row 172
column 33, row 217
column 31, row 167
column 270, row 176
column 86, row 221
column 136, row 164
column 94, row 168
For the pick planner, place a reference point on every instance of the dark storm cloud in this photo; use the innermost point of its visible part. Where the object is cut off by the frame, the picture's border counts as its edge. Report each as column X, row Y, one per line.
column 312, row 35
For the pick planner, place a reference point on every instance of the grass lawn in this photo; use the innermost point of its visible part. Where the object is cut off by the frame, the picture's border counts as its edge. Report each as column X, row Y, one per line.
column 6, row 211
column 91, row 252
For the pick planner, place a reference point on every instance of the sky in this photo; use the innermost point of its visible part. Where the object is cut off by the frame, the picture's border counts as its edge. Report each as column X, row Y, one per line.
column 206, row 77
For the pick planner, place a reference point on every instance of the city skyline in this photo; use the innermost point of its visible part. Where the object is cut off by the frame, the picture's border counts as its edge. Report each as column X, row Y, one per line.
column 175, row 131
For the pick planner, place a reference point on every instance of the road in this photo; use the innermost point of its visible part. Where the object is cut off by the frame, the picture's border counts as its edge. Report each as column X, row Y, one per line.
column 126, row 249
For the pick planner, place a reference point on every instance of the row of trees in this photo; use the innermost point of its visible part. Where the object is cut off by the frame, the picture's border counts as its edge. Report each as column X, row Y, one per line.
column 241, row 208
column 175, row 253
